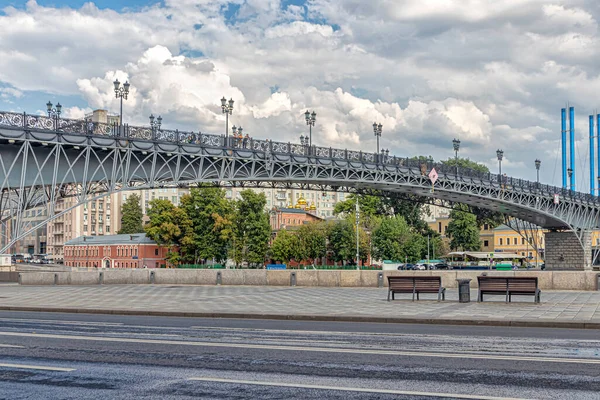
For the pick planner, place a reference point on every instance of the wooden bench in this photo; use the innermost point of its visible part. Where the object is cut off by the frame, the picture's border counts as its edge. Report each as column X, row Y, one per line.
column 508, row 286
column 416, row 285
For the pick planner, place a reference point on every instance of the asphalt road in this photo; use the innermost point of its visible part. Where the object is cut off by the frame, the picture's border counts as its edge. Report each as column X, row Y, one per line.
column 79, row 356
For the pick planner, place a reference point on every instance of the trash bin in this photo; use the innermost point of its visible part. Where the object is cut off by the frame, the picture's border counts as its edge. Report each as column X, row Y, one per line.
column 464, row 290
column 598, row 282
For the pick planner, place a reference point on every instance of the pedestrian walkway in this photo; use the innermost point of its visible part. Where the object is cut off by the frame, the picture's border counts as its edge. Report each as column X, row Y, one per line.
column 558, row 308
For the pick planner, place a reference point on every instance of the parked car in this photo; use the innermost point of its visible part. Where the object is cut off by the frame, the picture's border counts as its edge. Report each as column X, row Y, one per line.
column 420, row 267
column 442, row 266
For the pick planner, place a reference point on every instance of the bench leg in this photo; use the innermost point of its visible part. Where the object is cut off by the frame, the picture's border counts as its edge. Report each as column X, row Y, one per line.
column 417, row 296
column 389, row 291
column 444, row 294
column 479, row 296
column 393, row 295
column 506, row 300
column 413, row 299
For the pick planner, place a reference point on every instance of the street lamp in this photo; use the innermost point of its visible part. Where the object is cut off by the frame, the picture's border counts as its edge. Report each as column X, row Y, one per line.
column 377, row 131
column 121, row 92
column 227, row 109
column 304, row 140
column 54, row 113
column 570, row 173
column 538, row 163
column 155, row 124
column 500, row 155
column 310, row 121
column 456, row 146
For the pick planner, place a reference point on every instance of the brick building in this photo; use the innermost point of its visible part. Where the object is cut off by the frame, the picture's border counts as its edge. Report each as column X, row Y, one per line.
column 282, row 218
column 114, row 251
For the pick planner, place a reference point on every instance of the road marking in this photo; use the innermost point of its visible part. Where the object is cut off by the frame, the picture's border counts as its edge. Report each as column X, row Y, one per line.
column 350, row 389
column 40, row 367
column 12, row 346
column 311, row 349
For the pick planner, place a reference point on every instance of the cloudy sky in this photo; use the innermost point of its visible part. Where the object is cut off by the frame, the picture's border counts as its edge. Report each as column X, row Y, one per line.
column 493, row 73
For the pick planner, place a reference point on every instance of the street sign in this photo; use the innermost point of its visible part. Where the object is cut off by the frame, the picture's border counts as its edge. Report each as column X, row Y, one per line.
column 556, row 199
column 433, row 175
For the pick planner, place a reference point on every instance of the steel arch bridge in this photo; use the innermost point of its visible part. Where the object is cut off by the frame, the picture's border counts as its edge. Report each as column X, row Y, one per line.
column 44, row 159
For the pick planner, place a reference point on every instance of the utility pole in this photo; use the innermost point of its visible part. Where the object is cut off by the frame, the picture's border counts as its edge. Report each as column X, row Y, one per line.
column 357, row 248
column 427, row 249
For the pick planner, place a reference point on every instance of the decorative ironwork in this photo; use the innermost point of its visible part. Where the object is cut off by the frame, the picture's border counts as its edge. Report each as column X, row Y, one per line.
column 137, row 132
column 299, row 149
column 12, row 119
column 369, row 157
column 259, row 145
column 280, row 147
column 354, row 155
column 323, row 152
column 211, row 140
column 337, row 153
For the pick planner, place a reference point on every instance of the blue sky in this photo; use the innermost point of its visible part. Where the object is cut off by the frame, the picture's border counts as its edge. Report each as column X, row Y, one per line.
column 112, row 4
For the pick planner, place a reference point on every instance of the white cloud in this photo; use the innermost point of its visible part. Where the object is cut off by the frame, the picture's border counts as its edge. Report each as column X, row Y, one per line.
column 493, row 74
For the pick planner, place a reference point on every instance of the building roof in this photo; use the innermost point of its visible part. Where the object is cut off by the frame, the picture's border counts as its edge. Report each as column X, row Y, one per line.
column 504, row 228
column 136, row 238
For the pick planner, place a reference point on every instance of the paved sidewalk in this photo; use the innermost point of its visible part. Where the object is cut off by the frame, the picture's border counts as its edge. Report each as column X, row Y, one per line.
column 558, row 309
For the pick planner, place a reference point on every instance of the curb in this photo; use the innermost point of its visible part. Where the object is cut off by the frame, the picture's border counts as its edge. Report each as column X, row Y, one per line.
column 319, row 318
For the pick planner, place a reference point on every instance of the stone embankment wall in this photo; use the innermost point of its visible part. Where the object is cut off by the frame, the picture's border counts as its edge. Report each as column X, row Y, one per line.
column 548, row 280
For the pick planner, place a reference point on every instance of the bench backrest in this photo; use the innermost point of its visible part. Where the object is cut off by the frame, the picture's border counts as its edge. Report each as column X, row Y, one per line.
column 419, row 282
column 504, row 283
column 525, row 284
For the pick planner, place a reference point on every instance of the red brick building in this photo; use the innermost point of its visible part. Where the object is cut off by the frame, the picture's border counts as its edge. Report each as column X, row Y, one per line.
column 114, row 251
column 282, row 218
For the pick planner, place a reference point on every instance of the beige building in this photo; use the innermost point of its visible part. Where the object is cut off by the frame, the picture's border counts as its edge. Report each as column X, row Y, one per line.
column 96, row 218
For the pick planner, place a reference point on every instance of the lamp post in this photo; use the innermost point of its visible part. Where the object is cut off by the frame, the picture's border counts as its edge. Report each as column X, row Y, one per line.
column 570, row 174
column 310, row 121
column 456, row 146
column 538, row 163
column 235, row 131
column 357, row 243
column 54, row 113
column 304, row 140
column 155, row 124
column 500, row 155
column 377, row 131
column 121, row 92
column 227, row 109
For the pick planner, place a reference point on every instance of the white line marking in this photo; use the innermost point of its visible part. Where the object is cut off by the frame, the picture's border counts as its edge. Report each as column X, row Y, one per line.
column 311, row 349
column 360, row 390
column 40, row 367
column 12, row 346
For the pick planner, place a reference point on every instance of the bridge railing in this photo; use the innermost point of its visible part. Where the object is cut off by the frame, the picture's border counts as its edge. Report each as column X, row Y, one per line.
column 423, row 166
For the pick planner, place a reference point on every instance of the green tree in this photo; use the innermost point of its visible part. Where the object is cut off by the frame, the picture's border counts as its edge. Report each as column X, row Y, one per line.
column 390, row 239
column 211, row 215
column 466, row 163
column 285, row 246
column 251, row 227
column 463, row 230
column 131, row 215
column 312, row 242
column 170, row 227
column 341, row 239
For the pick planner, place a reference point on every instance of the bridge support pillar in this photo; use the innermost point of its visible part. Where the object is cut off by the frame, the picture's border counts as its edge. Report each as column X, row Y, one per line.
column 564, row 251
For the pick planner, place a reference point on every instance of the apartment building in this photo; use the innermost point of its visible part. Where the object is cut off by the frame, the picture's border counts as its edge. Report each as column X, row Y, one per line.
column 96, row 218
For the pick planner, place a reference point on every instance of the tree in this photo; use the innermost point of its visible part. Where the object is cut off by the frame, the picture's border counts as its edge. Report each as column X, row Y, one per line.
column 169, row 226
column 211, row 215
column 342, row 240
column 463, row 230
column 466, row 164
column 312, row 242
column 251, row 227
column 285, row 246
column 390, row 239
column 131, row 215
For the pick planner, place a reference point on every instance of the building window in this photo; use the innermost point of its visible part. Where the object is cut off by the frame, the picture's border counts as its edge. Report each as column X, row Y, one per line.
column 155, row 252
column 439, row 227
column 522, row 240
column 486, row 227
column 500, row 242
column 486, row 243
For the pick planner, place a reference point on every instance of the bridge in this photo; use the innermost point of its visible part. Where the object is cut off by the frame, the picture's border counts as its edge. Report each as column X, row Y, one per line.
column 43, row 159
